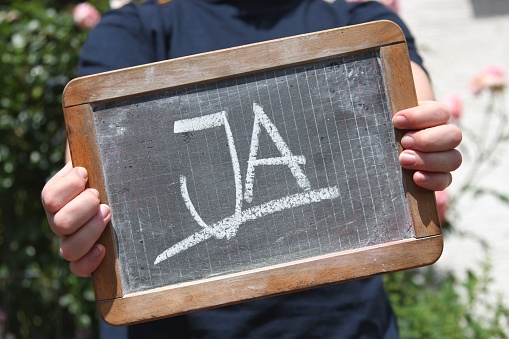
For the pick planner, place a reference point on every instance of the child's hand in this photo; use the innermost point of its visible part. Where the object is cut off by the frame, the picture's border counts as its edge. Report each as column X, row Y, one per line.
column 429, row 144
column 77, row 217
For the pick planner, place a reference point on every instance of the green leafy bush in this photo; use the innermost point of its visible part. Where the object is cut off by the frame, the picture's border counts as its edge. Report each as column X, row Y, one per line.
column 430, row 303
column 39, row 48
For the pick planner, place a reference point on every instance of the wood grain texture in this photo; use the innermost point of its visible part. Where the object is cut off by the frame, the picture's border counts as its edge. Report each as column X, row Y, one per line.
column 230, row 62
column 399, row 75
column 84, row 153
column 272, row 281
column 117, row 308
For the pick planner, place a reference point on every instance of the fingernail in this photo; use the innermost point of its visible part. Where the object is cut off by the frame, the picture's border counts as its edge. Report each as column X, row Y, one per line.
column 399, row 121
column 104, row 211
column 83, row 173
column 419, row 176
column 407, row 158
column 94, row 192
column 96, row 252
column 407, row 141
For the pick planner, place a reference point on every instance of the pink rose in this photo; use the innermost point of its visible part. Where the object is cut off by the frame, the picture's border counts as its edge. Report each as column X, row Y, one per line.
column 442, row 198
column 85, row 15
column 455, row 105
column 492, row 78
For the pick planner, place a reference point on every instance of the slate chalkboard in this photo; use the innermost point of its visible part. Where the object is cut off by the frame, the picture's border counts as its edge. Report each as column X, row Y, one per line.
column 254, row 180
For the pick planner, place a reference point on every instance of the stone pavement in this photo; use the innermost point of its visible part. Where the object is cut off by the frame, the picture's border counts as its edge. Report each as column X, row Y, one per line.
column 456, row 44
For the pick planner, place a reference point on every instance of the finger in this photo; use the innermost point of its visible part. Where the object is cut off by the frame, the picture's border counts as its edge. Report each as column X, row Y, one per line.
column 435, row 139
column 447, row 161
column 47, row 193
column 63, row 187
column 427, row 114
column 86, row 265
column 432, row 181
column 66, row 169
column 77, row 245
column 75, row 213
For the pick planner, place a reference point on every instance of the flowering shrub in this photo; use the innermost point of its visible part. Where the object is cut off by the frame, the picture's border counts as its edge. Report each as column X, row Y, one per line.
column 491, row 78
column 38, row 52
column 480, row 144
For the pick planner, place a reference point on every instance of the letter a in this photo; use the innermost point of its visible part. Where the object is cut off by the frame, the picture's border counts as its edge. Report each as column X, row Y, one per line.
column 287, row 157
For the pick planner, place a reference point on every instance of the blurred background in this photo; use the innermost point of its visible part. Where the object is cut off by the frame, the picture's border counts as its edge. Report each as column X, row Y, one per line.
column 465, row 44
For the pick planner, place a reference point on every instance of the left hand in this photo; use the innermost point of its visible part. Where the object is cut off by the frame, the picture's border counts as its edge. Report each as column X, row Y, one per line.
column 429, row 145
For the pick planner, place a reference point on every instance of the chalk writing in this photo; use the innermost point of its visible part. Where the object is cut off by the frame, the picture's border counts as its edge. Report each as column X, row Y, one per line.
column 228, row 227
column 287, row 159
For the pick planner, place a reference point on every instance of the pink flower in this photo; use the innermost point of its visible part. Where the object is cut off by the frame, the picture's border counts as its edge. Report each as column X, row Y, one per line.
column 85, row 15
column 492, row 78
column 455, row 105
column 442, row 198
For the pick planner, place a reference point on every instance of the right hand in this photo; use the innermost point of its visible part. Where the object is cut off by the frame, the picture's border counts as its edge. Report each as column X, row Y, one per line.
column 76, row 215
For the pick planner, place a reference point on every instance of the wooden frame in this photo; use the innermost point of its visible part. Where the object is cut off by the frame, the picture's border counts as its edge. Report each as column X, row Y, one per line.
column 118, row 308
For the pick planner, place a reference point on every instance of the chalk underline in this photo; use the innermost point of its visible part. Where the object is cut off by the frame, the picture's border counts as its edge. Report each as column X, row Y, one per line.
column 220, row 229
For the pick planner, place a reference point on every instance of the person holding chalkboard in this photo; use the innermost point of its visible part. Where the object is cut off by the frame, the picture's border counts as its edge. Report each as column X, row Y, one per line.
column 149, row 32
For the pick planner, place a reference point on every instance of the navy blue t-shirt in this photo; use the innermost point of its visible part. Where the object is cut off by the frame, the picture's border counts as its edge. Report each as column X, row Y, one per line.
column 138, row 34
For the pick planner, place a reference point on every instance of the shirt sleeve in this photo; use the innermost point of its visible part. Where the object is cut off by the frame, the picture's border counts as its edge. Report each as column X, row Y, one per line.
column 120, row 40
column 362, row 12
